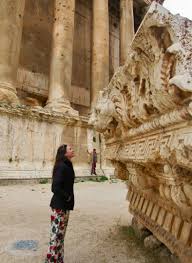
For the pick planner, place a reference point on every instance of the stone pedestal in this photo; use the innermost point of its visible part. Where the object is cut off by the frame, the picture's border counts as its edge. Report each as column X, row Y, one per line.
column 126, row 28
column 100, row 51
column 61, row 58
column 11, row 24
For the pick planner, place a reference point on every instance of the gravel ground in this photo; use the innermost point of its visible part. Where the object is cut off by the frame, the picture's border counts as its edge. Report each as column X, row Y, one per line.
column 98, row 230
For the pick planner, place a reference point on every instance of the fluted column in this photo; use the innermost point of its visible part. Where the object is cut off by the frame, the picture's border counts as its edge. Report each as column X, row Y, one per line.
column 100, row 50
column 61, row 57
column 11, row 25
column 126, row 28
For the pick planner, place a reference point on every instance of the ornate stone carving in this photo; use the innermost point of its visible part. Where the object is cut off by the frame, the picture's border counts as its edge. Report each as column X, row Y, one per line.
column 156, row 77
column 121, row 171
column 145, row 115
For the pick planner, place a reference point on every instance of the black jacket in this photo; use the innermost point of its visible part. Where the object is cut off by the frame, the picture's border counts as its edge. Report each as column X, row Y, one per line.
column 62, row 186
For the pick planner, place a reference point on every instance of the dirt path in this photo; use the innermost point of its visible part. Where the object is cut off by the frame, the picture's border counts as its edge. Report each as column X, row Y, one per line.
column 98, row 229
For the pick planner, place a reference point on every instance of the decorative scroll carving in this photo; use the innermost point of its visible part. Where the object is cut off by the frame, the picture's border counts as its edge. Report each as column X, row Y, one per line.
column 145, row 114
column 155, row 79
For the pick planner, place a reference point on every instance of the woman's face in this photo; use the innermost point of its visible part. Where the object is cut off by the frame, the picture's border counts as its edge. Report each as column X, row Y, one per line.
column 69, row 152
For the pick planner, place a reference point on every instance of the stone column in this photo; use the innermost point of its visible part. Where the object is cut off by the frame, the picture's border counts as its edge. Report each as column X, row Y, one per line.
column 100, row 50
column 11, row 24
column 126, row 28
column 61, row 57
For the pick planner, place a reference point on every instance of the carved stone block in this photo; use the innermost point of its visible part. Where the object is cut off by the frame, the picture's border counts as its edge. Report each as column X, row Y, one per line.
column 145, row 115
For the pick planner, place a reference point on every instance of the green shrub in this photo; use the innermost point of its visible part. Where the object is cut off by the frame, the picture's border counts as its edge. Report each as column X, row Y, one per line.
column 102, row 178
column 43, row 181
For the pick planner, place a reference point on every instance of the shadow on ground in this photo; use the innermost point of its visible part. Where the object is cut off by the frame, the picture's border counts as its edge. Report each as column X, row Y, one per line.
column 135, row 247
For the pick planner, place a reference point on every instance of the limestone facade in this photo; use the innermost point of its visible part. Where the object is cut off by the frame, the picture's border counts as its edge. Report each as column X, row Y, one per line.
column 55, row 57
column 63, row 52
column 145, row 115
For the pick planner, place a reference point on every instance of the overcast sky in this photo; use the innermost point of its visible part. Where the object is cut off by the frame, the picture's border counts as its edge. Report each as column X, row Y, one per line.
column 182, row 7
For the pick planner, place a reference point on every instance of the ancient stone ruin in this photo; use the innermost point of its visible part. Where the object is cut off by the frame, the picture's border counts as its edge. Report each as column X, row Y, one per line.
column 145, row 114
column 55, row 57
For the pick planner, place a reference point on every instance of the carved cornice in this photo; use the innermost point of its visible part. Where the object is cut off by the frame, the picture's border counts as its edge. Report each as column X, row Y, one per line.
column 155, row 82
column 145, row 114
column 41, row 114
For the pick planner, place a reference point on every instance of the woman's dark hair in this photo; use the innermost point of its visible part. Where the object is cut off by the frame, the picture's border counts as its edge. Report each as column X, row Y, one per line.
column 60, row 156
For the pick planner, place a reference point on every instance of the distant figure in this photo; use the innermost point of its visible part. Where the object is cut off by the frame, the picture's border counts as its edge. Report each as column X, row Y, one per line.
column 94, row 161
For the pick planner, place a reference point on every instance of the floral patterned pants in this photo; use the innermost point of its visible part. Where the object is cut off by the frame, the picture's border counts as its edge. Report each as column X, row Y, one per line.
column 59, row 221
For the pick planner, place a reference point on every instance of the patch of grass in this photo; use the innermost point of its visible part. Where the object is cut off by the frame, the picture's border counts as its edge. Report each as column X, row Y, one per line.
column 43, row 181
column 135, row 244
column 91, row 179
column 98, row 179
column 128, row 232
column 103, row 178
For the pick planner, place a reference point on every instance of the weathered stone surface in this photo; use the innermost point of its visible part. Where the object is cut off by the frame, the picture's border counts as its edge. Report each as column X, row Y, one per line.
column 100, row 59
column 61, row 59
column 11, row 25
column 46, row 54
column 126, row 28
column 145, row 116
column 29, row 139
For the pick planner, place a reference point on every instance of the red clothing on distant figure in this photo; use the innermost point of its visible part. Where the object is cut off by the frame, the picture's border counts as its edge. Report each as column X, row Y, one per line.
column 94, row 161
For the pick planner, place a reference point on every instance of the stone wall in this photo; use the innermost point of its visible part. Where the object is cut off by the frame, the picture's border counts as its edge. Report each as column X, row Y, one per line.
column 29, row 139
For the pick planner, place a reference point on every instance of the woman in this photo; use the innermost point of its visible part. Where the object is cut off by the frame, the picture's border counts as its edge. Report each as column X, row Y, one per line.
column 61, row 203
